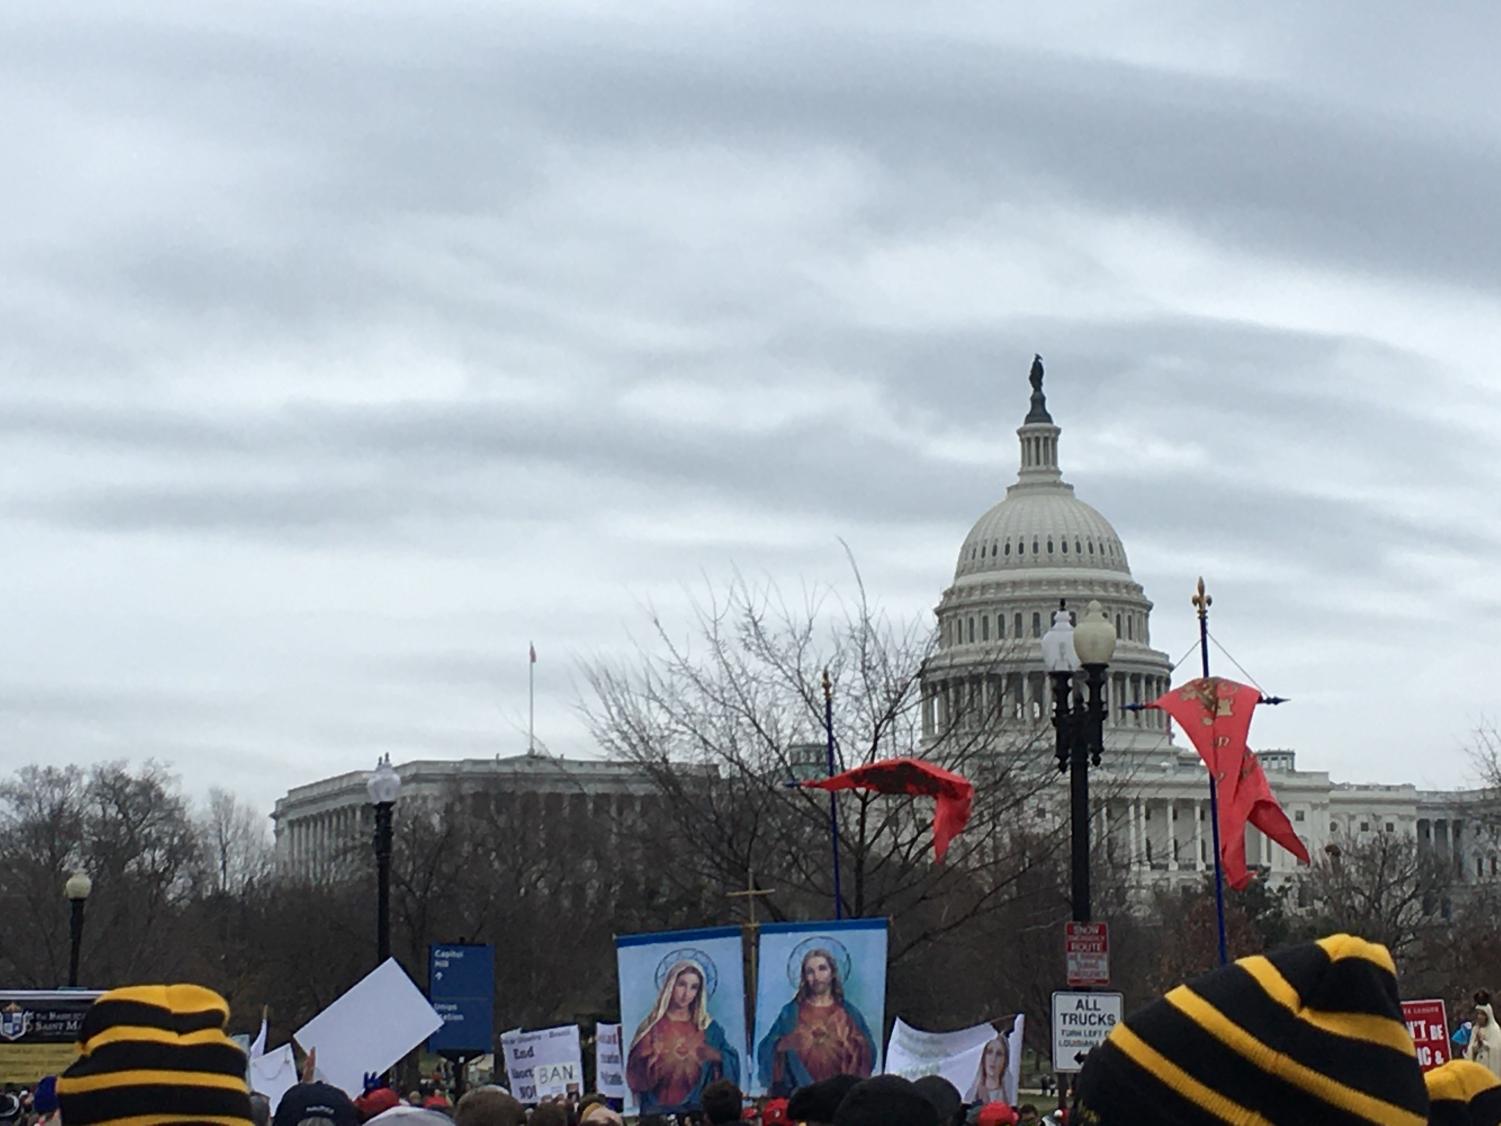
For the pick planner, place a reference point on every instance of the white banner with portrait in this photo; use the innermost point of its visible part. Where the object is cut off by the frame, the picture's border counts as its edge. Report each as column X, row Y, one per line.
column 983, row 1062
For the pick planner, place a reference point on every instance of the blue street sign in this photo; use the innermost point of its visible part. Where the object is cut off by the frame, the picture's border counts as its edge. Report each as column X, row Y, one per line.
column 461, row 987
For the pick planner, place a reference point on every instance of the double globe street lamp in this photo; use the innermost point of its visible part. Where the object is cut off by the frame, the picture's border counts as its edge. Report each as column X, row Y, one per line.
column 1080, row 723
column 77, row 890
column 383, row 786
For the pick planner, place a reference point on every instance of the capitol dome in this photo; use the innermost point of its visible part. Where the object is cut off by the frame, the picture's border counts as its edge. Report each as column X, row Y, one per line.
column 1035, row 528
column 1039, row 548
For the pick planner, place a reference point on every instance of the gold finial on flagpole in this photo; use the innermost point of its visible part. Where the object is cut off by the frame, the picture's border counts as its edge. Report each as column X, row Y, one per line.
column 1202, row 600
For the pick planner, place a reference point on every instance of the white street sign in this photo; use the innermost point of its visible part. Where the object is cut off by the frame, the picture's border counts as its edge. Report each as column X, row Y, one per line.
column 1081, row 1022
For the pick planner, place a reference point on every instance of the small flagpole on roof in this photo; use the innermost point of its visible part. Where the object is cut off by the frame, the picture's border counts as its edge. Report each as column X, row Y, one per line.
column 1202, row 601
column 531, row 699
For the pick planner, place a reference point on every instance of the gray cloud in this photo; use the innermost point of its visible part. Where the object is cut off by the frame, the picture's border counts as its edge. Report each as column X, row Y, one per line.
column 338, row 347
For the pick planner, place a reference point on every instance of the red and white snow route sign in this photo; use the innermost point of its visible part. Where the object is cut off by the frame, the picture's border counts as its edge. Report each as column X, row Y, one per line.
column 1428, row 1026
column 1086, row 948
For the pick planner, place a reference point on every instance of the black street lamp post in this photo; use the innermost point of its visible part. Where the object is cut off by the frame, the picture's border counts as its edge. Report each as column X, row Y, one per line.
column 77, row 890
column 1080, row 725
column 383, row 786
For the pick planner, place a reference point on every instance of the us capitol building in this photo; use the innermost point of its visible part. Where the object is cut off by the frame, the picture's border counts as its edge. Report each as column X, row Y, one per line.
column 1038, row 546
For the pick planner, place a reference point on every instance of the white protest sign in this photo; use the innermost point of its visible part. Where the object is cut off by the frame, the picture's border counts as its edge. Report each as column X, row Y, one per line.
column 1081, row 1023
column 960, row 1057
column 544, row 1063
column 378, row 1021
column 609, row 1074
column 274, row 1073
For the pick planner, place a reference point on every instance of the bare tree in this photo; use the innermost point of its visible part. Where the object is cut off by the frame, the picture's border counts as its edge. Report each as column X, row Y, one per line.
column 236, row 842
column 41, row 841
column 1384, row 887
column 724, row 722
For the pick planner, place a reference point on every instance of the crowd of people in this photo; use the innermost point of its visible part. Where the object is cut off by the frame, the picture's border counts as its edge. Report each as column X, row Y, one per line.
column 1311, row 1034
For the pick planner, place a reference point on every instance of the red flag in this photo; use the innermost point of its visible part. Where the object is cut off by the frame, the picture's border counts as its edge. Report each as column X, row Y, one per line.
column 954, row 792
column 1215, row 714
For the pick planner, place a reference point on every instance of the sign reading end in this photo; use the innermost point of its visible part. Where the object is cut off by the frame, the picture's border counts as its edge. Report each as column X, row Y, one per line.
column 1081, row 1023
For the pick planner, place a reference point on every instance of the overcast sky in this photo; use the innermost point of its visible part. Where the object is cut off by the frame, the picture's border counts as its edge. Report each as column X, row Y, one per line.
column 344, row 351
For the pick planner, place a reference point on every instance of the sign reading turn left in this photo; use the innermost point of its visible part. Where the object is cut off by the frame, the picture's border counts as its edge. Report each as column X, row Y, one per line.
column 1081, row 1022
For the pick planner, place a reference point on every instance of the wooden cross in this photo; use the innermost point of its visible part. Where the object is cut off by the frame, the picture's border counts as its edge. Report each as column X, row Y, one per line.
column 750, row 893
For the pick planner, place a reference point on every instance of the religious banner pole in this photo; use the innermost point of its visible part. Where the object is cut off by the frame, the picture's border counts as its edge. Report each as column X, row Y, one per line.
column 751, row 894
column 828, row 727
column 1201, row 602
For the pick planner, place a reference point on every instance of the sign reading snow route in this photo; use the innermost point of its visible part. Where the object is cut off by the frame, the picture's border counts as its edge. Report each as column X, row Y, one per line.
column 1081, row 1022
column 1086, row 947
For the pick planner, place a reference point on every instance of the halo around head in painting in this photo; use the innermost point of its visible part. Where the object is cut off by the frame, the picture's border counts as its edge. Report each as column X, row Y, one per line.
column 699, row 959
column 806, row 947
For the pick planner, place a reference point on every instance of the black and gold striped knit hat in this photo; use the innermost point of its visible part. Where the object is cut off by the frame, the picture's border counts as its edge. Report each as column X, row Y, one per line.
column 156, row 1054
column 1309, row 1035
column 1463, row 1093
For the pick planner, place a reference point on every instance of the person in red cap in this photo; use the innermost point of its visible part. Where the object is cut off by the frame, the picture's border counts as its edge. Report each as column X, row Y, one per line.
column 774, row 1113
column 996, row 1114
column 375, row 1101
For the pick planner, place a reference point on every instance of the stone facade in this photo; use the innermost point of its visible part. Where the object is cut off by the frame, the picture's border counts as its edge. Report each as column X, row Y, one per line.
column 320, row 826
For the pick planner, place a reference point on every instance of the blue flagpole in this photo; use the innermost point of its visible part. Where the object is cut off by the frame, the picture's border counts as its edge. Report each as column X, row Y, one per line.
column 1202, row 601
column 828, row 728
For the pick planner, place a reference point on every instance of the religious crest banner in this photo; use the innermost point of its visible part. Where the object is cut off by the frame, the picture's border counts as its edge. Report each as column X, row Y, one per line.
column 1215, row 714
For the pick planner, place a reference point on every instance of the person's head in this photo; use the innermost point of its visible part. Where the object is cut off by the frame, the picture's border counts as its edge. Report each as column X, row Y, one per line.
column 817, row 1102
column 174, row 1031
column 1026, row 1115
column 414, row 1098
column 375, row 1101
column 550, row 1114
column 314, row 1104
column 1462, row 1093
column 944, row 1096
column 489, row 1106
column 591, row 1099
column 260, row 1109
column 1482, row 1015
column 820, row 976
column 44, row 1097
column 885, row 1100
column 599, row 1114
column 722, row 1102
column 1327, row 1012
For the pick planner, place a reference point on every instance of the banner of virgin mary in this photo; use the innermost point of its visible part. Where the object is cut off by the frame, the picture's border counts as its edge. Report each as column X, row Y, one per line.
column 682, row 1016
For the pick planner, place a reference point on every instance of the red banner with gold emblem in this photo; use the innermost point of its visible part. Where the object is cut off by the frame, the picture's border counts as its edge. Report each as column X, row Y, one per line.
column 1215, row 714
